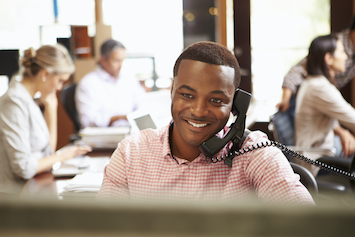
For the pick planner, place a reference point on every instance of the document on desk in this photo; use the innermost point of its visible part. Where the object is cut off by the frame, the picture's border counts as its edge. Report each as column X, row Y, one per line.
column 104, row 137
column 84, row 184
column 87, row 183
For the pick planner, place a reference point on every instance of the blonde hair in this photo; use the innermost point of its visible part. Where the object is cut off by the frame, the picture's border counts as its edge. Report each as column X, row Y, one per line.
column 55, row 59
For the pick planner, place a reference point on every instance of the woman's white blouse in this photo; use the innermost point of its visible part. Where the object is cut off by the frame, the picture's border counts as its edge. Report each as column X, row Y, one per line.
column 24, row 137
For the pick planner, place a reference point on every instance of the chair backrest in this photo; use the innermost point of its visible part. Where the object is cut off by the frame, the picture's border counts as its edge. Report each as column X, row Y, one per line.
column 352, row 171
column 283, row 128
column 306, row 178
column 68, row 101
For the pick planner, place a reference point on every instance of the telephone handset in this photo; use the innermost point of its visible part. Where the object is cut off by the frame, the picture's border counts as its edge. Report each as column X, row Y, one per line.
column 240, row 106
column 237, row 135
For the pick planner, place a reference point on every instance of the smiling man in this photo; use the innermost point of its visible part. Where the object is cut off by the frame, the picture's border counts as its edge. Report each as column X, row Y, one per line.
column 167, row 164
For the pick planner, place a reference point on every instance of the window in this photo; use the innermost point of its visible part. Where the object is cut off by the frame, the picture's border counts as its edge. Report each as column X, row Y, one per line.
column 148, row 27
column 23, row 24
column 281, row 32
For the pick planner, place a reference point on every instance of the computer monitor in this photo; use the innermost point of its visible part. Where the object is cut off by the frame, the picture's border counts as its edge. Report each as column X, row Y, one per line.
column 9, row 62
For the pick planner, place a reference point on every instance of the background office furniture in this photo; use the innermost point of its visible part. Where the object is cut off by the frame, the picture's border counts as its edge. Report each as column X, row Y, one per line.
column 306, row 178
column 9, row 62
column 283, row 128
column 68, row 101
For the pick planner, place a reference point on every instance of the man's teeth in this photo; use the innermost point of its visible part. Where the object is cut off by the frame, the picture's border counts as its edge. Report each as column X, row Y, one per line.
column 197, row 125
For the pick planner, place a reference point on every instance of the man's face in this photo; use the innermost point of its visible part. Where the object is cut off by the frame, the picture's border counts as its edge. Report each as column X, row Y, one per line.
column 202, row 97
column 113, row 64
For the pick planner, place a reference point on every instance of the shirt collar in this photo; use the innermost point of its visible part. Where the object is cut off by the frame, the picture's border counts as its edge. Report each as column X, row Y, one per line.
column 105, row 75
column 20, row 89
column 167, row 150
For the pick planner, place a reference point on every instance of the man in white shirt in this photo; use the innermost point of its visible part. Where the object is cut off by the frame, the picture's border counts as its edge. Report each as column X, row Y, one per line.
column 105, row 96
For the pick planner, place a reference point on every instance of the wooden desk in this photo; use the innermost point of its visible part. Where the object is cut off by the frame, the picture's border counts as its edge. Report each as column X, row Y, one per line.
column 45, row 184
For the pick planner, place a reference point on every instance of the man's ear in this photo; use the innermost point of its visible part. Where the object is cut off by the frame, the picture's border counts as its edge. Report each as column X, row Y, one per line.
column 328, row 59
column 102, row 59
column 172, row 88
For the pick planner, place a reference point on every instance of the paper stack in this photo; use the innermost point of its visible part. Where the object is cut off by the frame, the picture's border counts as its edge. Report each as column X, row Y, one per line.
column 86, row 184
column 104, row 137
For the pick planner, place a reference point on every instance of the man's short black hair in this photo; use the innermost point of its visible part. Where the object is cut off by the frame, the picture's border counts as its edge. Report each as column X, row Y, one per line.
column 108, row 46
column 213, row 53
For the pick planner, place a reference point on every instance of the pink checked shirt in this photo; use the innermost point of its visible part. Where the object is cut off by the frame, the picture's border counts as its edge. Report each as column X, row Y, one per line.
column 142, row 167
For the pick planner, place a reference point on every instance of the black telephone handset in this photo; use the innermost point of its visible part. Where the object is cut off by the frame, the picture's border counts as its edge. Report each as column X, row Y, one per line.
column 237, row 135
column 240, row 106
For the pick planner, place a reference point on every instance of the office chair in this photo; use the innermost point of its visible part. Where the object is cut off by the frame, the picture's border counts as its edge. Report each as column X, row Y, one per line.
column 282, row 127
column 68, row 101
column 306, row 178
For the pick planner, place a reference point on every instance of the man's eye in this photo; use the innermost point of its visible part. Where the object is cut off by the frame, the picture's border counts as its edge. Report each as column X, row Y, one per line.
column 218, row 101
column 187, row 95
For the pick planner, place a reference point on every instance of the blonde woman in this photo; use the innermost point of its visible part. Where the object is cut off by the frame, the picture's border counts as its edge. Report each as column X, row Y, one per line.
column 28, row 136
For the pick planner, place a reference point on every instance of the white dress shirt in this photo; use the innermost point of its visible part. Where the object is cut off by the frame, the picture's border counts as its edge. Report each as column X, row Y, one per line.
column 24, row 137
column 99, row 97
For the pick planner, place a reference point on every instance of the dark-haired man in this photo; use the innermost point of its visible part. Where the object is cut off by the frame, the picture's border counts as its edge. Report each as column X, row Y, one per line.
column 105, row 96
column 167, row 163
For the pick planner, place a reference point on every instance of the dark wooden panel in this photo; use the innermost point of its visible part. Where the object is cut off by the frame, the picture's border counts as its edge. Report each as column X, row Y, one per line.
column 242, row 41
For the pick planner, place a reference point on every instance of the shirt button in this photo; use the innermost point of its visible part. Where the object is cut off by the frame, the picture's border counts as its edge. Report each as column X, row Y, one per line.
column 191, row 166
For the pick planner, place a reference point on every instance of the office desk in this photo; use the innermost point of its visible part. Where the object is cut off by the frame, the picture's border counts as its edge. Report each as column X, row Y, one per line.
column 45, row 184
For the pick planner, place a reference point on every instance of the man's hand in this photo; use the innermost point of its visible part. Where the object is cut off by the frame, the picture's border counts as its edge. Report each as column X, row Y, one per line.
column 283, row 106
column 285, row 102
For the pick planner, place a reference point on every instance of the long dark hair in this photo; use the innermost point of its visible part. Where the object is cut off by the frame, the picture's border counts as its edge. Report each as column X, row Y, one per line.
column 317, row 50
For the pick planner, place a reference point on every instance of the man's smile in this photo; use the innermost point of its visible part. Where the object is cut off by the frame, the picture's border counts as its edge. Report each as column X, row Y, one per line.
column 197, row 125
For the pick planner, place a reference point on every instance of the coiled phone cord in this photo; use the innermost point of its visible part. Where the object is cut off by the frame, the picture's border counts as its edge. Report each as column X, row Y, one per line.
column 285, row 149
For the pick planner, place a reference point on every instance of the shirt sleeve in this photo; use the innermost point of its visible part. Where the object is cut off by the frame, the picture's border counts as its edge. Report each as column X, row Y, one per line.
column 274, row 179
column 295, row 76
column 343, row 78
column 14, row 122
column 328, row 100
column 139, row 93
column 115, row 185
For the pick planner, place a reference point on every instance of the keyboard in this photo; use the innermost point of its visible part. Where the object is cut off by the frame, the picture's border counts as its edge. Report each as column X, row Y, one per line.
column 97, row 164
column 81, row 164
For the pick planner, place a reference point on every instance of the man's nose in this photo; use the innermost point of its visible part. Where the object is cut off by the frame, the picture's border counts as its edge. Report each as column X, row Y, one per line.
column 199, row 108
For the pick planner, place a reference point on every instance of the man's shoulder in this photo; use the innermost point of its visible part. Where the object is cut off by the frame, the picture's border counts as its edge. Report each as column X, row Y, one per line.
column 255, row 137
column 258, row 140
column 260, row 149
column 147, row 136
column 91, row 75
